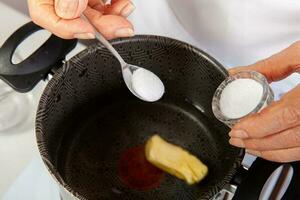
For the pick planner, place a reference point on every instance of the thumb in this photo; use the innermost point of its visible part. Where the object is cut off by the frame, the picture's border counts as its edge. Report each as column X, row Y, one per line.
column 278, row 66
column 111, row 26
column 70, row 9
column 277, row 117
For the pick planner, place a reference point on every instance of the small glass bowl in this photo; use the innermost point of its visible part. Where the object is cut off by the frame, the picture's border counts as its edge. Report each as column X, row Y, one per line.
column 267, row 97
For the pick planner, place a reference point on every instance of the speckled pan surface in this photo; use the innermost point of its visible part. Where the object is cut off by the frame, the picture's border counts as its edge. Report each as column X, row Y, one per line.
column 87, row 118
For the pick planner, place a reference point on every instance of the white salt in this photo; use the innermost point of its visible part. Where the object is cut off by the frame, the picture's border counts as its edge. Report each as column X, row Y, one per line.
column 240, row 97
column 147, row 85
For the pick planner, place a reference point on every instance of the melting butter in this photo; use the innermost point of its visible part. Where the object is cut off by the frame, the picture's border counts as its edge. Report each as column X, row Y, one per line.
column 175, row 160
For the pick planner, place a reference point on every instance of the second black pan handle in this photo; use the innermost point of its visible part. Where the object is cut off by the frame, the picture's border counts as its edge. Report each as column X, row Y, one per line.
column 25, row 75
column 259, row 172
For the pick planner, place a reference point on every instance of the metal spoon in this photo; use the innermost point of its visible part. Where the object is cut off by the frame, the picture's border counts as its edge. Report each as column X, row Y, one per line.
column 128, row 73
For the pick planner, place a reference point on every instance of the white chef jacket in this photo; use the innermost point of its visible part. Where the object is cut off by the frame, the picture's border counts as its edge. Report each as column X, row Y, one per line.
column 235, row 32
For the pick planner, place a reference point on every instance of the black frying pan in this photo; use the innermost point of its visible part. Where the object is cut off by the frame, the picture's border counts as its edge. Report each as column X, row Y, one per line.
column 91, row 129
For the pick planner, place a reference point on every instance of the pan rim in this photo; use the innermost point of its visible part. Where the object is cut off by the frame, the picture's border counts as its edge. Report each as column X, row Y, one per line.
column 58, row 77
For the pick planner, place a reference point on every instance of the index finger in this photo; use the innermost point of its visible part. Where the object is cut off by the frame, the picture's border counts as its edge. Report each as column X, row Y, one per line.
column 278, row 66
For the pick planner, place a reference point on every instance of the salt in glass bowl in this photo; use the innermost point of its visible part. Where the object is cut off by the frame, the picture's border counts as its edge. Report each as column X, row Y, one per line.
column 266, row 99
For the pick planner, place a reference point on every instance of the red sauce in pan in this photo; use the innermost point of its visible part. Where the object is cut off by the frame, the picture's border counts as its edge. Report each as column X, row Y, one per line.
column 136, row 172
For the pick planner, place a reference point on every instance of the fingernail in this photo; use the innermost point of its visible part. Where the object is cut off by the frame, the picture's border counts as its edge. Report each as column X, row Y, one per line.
column 237, row 142
column 124, row 32
column 129, row 8
column 84, row 35
column 238, row 134
column 68, row 8
column 253, row 152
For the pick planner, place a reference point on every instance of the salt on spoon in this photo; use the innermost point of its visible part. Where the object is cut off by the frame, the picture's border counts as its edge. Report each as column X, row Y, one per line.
column 147, row 85
column 143, row 83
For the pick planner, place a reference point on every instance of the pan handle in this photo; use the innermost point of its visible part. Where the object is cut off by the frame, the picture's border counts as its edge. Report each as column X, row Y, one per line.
column 23, row 76
column 253, row 181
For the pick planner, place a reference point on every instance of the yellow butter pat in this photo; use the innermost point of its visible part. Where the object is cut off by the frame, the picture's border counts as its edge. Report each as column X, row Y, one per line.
column 175, row 160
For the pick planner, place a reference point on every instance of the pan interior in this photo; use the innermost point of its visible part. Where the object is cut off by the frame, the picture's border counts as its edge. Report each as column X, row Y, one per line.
column 91, row 151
